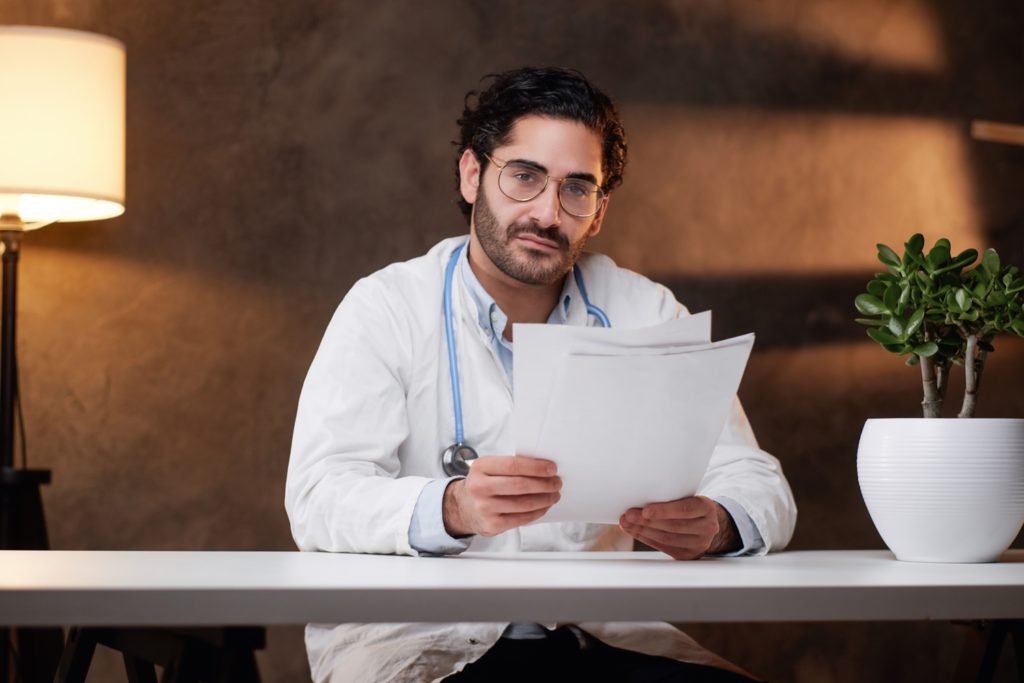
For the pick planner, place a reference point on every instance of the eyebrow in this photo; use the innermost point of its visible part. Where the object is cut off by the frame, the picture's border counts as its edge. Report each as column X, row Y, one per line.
column 543, row 169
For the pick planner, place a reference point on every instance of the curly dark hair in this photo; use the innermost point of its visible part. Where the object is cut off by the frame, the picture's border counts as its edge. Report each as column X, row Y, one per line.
column 488, row 116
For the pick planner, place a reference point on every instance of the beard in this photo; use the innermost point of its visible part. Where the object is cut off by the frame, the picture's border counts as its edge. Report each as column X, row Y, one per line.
column 530, row 268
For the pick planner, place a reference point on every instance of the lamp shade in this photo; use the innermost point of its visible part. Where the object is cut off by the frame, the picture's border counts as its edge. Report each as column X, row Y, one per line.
column 62, row 125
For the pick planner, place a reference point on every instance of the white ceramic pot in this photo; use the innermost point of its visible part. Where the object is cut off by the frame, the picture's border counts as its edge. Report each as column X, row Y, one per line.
column 944, row 489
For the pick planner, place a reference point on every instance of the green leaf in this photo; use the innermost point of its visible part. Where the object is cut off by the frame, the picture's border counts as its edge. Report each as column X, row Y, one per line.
column 917, row 258
column 990, row 262
column 996, row 298
column 951, row 301
column 926, row 350
column 1015, row 286
column 876, row 288
column 924, row 280
column 963, row 299
column 873, row 322
column 965, row 258
column 883, row 337
column 914, row 324
column 901, row 305
column 912, row 360
column 1017, row 326
column 898, row 327
column 915, row 244
column 869, row 305
column 951, row 342
column 888, row 256
column 892, row 297
column 939, row 254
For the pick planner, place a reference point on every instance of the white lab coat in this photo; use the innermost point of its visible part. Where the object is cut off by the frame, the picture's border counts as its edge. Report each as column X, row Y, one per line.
column 375, row 413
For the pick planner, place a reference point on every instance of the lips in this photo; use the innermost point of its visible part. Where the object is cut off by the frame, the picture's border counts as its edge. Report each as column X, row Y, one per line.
column 538, row 242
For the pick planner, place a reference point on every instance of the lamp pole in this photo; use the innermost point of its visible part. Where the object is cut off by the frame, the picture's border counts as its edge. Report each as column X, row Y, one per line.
column 22, row 522
column 12, row 246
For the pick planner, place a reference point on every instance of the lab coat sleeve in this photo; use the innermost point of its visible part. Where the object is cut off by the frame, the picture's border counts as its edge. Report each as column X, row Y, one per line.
column 343, row 492
column 741, row 471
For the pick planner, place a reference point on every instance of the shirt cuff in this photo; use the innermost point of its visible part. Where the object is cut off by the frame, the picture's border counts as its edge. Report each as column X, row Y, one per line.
column 426, row 530
column 750, row 537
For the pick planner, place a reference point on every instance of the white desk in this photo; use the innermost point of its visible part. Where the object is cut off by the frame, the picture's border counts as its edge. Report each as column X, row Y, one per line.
column 102, row 588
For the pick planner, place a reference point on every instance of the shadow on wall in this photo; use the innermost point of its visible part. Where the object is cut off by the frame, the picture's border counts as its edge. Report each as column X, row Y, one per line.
column 918, row 60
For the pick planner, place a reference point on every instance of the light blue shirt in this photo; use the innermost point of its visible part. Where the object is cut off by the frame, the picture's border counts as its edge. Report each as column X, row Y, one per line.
column 426, row 530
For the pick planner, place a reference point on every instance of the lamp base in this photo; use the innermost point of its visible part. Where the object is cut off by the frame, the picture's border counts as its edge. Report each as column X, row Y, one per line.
column 26, row 655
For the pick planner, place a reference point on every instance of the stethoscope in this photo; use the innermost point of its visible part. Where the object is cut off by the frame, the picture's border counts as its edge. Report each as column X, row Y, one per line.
column 455, row 459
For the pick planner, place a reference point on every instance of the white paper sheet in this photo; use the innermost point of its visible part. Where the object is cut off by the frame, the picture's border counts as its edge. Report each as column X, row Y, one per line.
column 540, row 351
column 629, row 420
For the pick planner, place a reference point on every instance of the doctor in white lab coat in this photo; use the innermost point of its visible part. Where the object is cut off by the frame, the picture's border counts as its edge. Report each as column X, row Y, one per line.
column 376, row 409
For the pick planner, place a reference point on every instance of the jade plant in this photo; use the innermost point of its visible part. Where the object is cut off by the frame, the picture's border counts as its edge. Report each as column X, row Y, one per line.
column 939, row 311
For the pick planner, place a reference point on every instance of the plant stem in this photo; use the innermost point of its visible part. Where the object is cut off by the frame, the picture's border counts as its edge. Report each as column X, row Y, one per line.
column 932, row 402
column 940, row 380
column 970, row 377
column 982, row 353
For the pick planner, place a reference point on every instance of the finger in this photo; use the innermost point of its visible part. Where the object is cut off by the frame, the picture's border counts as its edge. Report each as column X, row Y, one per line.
column 698, row 541
column 701, row 526
column 515, row 466
column 504, row 505
column 678, row 553
column 516, row 520
column 684, row 508
column 516, row 486
column 495, row 524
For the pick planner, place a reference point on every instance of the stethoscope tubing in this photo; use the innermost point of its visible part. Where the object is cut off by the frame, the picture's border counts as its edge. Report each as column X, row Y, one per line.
column 449, row 333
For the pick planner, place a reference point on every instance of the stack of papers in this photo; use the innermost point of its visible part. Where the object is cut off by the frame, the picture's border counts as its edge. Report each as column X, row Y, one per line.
column 630, row 416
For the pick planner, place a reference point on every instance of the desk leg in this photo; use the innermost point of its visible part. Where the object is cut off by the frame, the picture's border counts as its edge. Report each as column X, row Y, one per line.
column 138, row 670
column 210, row 655
column 74, row 663
column 982, row 647
column 1017, row 634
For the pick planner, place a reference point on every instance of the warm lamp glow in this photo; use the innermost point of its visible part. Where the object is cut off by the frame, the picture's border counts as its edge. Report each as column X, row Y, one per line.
column 62, row 125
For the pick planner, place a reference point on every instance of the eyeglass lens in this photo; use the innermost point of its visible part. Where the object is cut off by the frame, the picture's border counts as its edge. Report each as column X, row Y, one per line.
column 523, row 183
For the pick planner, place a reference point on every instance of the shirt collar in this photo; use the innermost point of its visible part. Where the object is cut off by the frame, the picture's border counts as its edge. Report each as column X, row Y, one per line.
column 490, row 316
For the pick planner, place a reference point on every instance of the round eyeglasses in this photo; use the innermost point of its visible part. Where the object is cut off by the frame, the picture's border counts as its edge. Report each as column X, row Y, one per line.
column 522, row 181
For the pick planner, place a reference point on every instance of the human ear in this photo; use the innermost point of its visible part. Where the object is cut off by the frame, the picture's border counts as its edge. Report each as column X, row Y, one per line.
column 595, row 225
column 469, row 176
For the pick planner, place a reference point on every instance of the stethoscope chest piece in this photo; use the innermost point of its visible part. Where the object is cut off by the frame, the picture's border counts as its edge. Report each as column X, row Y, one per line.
column 455, row 459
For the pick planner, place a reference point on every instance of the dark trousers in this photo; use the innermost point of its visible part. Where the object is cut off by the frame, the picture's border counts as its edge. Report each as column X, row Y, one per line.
column 571, row 654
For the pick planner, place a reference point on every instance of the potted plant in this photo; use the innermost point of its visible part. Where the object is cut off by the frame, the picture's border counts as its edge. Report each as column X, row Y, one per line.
column 940, row 489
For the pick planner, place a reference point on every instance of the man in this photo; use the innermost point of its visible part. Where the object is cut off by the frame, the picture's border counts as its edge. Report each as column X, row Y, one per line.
column 539, row 154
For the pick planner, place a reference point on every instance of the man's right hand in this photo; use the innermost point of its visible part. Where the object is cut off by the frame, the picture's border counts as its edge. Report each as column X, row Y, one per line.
column 501, row 492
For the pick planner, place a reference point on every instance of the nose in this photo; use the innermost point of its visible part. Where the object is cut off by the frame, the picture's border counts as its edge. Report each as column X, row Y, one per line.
column 546, row 208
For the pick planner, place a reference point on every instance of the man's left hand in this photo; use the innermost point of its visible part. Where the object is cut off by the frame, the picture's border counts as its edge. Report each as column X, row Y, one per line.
column 686, row 529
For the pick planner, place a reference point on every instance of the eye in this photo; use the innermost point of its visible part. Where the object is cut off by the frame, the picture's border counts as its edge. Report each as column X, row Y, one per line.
column 524, row 175
column 577, row 188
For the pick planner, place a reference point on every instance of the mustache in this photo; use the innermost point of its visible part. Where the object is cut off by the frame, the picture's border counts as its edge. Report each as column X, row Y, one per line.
column 533, row 229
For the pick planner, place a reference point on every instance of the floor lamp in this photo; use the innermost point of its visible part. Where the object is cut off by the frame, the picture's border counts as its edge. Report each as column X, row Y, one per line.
column 62, row 138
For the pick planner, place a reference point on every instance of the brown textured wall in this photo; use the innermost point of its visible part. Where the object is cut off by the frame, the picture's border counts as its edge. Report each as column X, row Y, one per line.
column 278, row 150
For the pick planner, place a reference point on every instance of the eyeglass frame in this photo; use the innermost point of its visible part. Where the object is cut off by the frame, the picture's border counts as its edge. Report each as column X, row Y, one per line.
column 602, row 195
